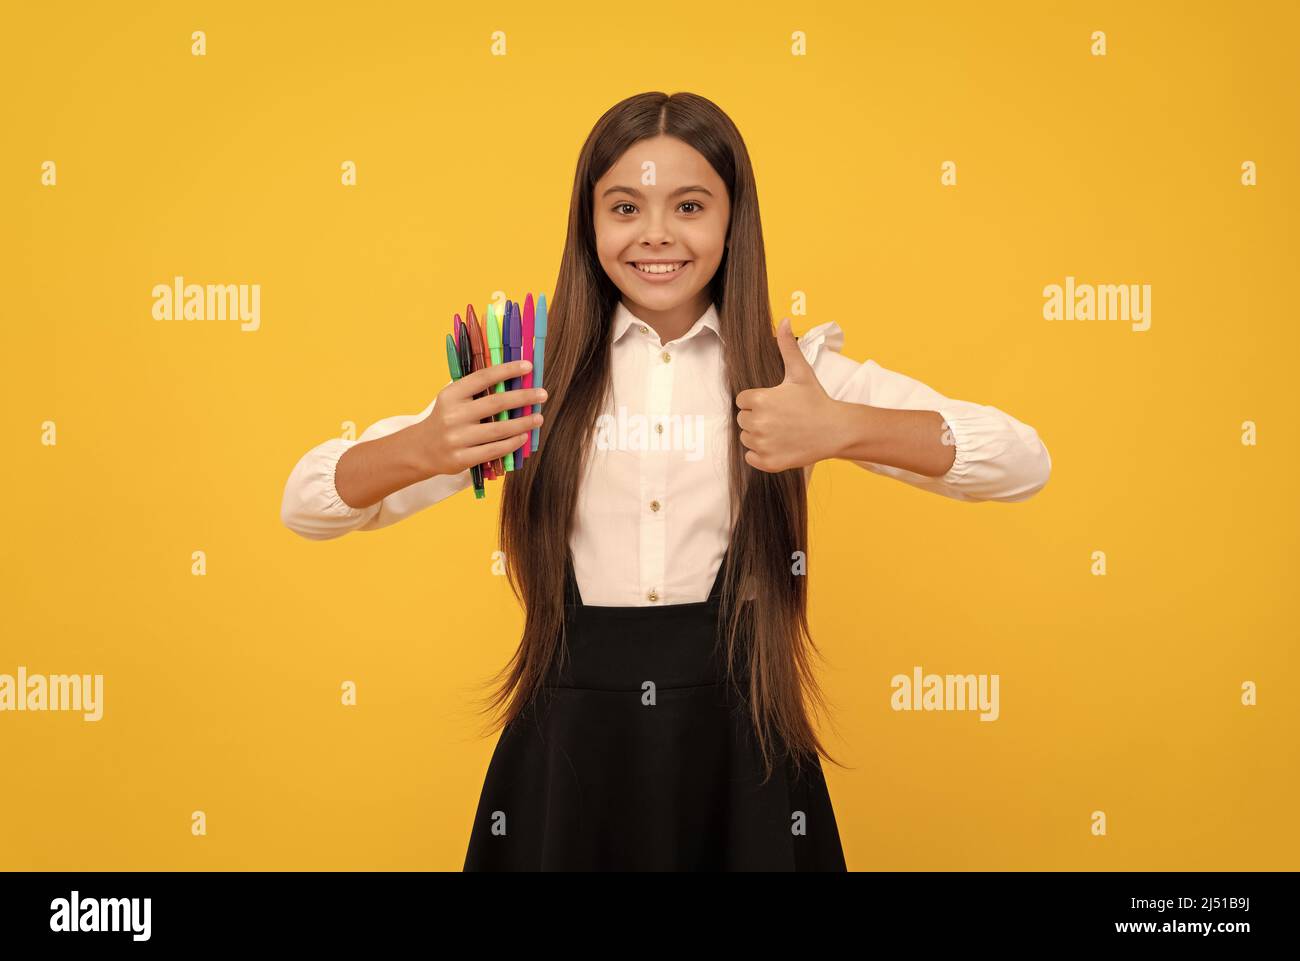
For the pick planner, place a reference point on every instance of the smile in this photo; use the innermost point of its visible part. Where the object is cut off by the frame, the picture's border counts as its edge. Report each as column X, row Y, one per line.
column 660, row 270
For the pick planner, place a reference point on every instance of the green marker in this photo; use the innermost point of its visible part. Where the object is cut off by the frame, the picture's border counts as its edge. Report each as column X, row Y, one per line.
column 453, row 365
column 494, row 348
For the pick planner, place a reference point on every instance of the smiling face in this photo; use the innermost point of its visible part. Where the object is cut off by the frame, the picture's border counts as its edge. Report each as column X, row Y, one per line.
column 662, row 242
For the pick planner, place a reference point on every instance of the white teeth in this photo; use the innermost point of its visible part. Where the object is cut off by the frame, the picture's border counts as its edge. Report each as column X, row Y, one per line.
column 659, row 268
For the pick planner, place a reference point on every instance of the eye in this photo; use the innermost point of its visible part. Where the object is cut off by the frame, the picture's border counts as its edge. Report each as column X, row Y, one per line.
column 692, row 203
column 624, row 204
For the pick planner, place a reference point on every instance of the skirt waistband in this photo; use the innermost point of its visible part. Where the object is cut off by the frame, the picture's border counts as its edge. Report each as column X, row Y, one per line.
column 611, row 649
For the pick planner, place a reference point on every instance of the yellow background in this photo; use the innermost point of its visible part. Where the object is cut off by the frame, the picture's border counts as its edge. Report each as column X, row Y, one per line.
column 1119, row 693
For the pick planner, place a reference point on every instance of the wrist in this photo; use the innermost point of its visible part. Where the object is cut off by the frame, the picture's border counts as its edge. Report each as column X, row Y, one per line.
column 412, row 457
column 854, row 430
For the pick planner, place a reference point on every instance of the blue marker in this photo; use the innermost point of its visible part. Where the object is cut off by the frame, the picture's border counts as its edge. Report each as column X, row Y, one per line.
column 539, row 354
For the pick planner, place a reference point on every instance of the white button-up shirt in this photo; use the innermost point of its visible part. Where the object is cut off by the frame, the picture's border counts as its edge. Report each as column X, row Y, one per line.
column 653, row 511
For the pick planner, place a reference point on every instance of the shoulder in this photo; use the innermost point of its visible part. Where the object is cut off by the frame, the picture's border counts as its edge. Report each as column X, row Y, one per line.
column 815, row 340
column 839, row 375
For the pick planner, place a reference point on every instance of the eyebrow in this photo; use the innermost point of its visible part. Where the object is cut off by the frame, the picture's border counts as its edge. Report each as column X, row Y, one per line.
column 636, row 193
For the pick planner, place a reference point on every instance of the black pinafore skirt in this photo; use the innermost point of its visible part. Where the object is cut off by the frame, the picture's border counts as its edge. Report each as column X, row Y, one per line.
column 635, row 755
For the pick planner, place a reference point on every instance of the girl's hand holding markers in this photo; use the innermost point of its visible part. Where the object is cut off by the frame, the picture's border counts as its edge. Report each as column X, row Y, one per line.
column 453, row 438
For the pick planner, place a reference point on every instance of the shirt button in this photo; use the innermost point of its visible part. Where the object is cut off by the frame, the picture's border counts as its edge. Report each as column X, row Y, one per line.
column 654, row 505
column 653, row 595
column 666, row 356
column 645, row 329
column 659, row 427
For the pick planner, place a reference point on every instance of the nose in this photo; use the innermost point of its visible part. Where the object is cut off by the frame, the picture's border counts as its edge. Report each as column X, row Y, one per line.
column 656, row 230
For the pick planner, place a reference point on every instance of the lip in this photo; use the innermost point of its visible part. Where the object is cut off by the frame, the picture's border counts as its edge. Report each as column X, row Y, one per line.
column 667, row 278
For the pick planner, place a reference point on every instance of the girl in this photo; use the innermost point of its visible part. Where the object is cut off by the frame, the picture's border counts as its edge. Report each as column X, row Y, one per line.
column 656, row 712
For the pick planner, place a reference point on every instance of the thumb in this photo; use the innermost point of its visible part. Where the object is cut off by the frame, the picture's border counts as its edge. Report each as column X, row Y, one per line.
column 797, row 368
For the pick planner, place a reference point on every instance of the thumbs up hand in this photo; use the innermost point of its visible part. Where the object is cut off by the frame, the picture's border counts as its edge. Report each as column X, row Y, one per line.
column 791, row 424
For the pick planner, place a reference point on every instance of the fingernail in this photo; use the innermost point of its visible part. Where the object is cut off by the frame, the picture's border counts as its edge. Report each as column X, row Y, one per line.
column 541, row 393
column 527, row 365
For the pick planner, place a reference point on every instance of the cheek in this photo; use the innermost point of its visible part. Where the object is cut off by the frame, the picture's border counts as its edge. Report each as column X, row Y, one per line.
column 603, row 239
column 708, row 241
column 612, row 240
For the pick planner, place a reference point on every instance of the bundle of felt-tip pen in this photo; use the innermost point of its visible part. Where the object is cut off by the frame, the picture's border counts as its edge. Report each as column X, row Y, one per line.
column 512, row 334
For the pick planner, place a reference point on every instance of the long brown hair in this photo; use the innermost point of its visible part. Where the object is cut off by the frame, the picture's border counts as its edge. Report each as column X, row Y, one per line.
column 764, row 605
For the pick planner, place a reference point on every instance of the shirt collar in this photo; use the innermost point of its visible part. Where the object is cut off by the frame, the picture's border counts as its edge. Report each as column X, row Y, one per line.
column 625, row 320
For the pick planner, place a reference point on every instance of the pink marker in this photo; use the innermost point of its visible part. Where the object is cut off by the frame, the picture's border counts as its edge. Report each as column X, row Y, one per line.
column 527, row 354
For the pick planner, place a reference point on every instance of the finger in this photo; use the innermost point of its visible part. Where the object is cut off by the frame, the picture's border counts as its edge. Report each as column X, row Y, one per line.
column 797, row 368
column 491, row 431
column 745, row 419
column 506, row 400
column 486, row 452
column 748, row 440
column 754, row 460
column 750, row 397
column 485, row 379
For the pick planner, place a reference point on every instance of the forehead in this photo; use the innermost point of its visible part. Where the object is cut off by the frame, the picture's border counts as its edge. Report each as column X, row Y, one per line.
column 674, row 163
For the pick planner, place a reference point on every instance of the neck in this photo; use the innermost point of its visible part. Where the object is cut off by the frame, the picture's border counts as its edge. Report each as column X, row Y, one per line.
column 675, row 321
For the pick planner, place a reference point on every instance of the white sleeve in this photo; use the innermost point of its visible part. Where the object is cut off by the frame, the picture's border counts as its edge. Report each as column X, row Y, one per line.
column 997, row 457
column 312, row 507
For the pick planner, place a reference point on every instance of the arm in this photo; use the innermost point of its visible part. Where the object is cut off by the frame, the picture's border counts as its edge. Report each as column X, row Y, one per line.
column 896, row 426
column 914, row 440
column 344, row 485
